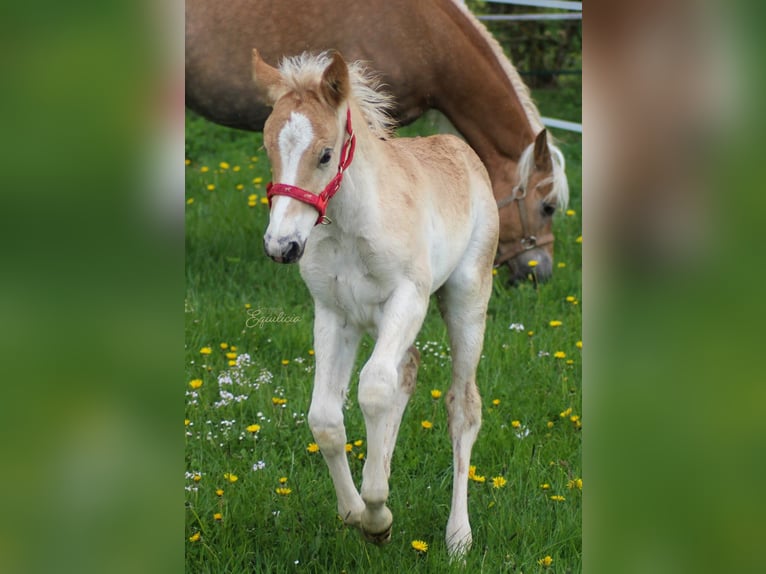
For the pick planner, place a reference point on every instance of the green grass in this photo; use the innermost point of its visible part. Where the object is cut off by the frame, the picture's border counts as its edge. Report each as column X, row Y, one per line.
column 262, row 531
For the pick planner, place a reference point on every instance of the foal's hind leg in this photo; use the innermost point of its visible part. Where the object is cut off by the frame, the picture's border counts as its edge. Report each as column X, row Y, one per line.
column 463, row 303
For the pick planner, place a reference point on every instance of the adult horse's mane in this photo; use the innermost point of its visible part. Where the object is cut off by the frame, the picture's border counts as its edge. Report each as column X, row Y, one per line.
column 560, row 191
column 303, row 72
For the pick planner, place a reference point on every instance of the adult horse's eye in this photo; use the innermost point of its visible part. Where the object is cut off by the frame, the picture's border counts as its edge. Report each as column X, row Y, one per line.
column 326, row 156
column 549, row 209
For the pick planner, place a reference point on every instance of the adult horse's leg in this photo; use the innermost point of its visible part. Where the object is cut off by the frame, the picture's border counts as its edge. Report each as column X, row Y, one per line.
column 335, row 346
column 463, row 303
column 385, row 384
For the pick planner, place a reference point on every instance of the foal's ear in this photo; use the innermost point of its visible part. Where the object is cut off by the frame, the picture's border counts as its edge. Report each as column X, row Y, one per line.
column 542, row 152
column 268, row 81
column 335, row 84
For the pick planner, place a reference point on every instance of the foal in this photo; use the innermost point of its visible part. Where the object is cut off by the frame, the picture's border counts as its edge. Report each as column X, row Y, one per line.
column 412, row 217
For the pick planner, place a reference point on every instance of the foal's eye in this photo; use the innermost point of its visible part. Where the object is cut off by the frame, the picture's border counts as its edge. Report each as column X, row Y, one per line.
column 326, row 156
column 549, row 209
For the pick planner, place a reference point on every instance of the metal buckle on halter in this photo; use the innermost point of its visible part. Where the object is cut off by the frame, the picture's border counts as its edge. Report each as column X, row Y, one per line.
column 529, row 242
column 324, row 220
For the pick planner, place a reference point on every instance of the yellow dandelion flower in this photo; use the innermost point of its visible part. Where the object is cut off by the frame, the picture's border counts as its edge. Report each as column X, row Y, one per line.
column 555, row 323
column 566, row 413
column 545, row 561
column 217, row 516
column 285, row 362
column 219, row 491
column 498, row 482
column 239, row 187
column 231, row 477
column 204, row 169
column 205, row 351
column 257, row 180
column 236, row 168
column 187, row 422
column 254, row 159
column 436, row 394
column 231, row 355
column 570, row 212
column 195, row 383
column 282, row 479
column 349, row 447
column 283, row 491
column 545, row 486
column 530, row 333
column 311, row 352
column 578, row 344
column 210, row 186
column 278, row 401
column 253, row 428
column 187, row 162
column 574, row 418
column 570, row 362
column 252, row 197
column 312, row 447
column 496, row 402
column 420, row 546
column 233, row 348
column 360, row 456
column 247, row 305
column 359, row 442
column 197, row 477
column 532, row 263
column 478, row 478
column 223, row 165
column 194, row 537
column 232, row 363
column 579, row 239
column 426, row 424
column 516, row 424
column 494, row 272
column 575, row 483
column 265, row 200
column 571, row 298
column 561, row 264
column 549, row 424
column 190, row 201
column 558, row 498
column 559, row 355
column 224, row 346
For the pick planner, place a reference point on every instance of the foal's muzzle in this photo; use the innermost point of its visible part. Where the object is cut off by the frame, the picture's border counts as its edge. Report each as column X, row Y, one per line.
column 283, row 251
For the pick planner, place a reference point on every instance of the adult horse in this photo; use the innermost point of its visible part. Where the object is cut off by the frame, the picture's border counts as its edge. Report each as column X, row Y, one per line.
column 410, row 217
column 430, row 54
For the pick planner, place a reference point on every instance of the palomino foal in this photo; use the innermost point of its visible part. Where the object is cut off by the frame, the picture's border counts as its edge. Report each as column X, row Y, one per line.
column 411, row 217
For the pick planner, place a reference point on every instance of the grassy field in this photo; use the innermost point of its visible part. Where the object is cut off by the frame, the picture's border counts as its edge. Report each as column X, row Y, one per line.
column 257, row 499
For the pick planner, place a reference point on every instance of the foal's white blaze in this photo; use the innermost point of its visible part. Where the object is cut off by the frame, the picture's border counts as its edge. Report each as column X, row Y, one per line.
column 294, row 139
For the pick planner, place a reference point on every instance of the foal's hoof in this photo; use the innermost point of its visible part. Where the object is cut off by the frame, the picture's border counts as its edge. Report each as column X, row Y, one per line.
column 380, row 538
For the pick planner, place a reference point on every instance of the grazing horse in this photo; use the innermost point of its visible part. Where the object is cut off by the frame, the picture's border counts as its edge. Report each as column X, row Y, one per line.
column 405, row 218
column 430, row 54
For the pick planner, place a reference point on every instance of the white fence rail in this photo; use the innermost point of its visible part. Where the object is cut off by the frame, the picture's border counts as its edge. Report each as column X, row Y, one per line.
column 552, row 4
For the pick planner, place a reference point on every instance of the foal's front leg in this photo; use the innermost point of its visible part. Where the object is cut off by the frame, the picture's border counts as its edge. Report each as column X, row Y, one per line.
column 385, row 383
column 335, row 346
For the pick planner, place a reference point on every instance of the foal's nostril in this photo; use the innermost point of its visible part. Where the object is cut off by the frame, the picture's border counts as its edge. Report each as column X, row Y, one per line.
column 293, row 252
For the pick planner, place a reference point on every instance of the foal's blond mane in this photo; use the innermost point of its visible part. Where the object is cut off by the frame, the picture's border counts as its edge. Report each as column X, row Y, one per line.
column 560, row 191
column 304, row 72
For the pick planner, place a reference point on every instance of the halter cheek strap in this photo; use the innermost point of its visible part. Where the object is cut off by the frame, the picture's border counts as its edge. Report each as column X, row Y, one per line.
column 527, row 241
column 319, row 202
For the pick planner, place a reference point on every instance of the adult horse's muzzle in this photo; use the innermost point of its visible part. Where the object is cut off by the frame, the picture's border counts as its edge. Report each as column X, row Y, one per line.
column 536, row 262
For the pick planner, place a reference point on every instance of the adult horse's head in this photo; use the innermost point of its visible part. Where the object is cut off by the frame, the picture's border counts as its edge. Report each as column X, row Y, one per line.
column 526, row 214
column 306, row 141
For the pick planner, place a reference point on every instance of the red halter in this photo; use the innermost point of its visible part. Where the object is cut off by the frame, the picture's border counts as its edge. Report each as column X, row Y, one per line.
column 319, row 202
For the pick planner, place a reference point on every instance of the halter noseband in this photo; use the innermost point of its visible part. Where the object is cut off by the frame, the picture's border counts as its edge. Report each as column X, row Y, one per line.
column 319, row 202
column 527, row 241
